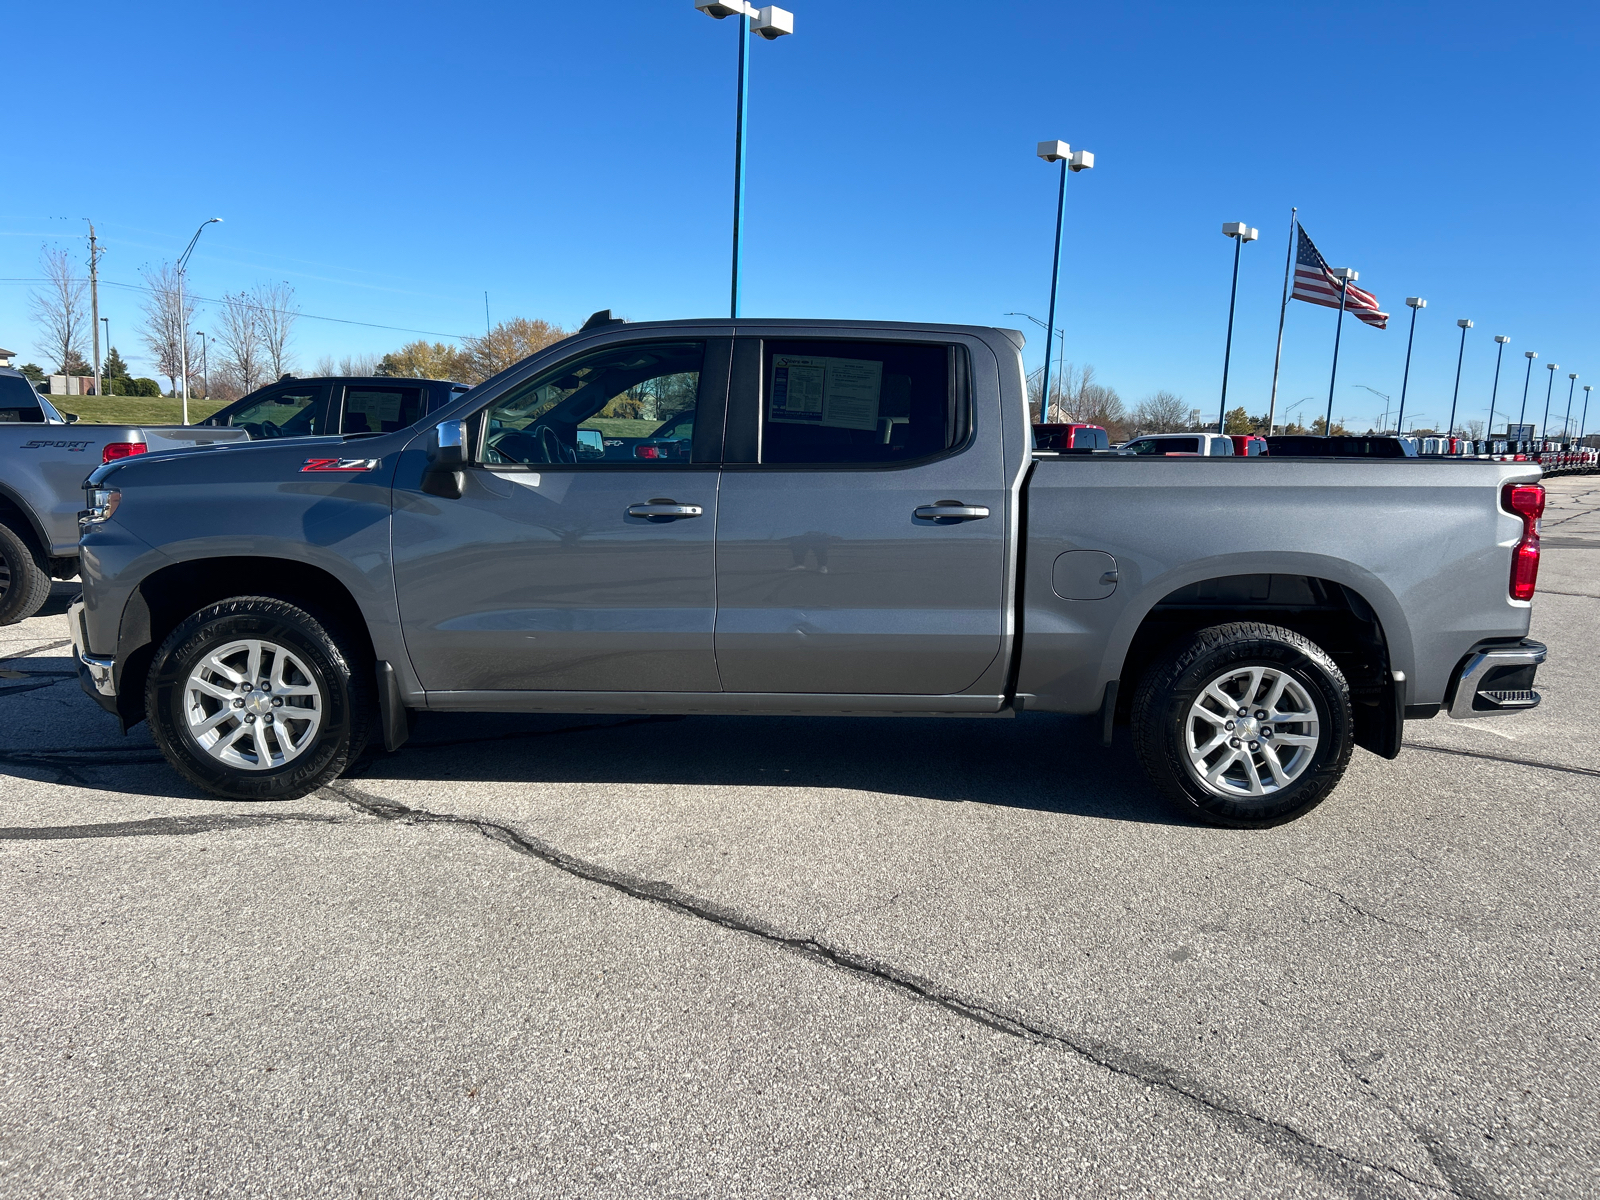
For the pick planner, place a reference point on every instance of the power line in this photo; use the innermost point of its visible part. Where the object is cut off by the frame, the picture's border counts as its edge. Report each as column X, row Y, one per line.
column 134, row 287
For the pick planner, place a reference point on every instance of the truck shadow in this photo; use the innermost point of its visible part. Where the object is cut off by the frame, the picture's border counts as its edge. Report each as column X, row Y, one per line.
column 1038, row 762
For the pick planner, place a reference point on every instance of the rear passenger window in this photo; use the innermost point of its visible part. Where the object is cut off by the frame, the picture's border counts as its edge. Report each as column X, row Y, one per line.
column 859, row 402
column 380, row 409
column 18, row 401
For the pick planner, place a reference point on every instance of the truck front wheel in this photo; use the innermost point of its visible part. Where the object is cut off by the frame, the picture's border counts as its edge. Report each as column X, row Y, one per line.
column 1244, row 725
column 253, row 698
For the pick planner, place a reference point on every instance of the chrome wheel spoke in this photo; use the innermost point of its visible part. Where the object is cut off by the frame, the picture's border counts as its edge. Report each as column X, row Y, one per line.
column 279, row 705
column 1253, row 762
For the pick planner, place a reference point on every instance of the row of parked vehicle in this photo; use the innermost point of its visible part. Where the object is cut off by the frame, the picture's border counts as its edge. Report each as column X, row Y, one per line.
column 1080, row 438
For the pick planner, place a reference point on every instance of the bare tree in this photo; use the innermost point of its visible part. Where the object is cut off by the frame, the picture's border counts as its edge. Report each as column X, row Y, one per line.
column 242, row 362
column 59, row 308
column 168, row 313
column 1474, row 430
column 275, row 318
column 350, row 364
column 1161, row 412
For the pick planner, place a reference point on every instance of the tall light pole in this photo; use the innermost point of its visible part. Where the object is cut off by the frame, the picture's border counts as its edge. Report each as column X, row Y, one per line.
column 183, row 312
column 1583, row 422
column 1544, row 427
column 771, row 23
column 1566, row 422
column 1383, row 395
column 1500, row 349
column 1061, row 339
column 1522, row 413
column 1413, row 303
column 205, row 376
column 1346, row 276
column 1080, row 160
column 1240, row 233
column 1465, row 324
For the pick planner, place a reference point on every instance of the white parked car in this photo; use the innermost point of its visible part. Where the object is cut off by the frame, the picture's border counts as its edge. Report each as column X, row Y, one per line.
column 1213, row 444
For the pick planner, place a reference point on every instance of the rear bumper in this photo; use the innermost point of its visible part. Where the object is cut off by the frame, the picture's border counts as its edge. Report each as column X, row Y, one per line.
column 1496, row 677
column 95, row 675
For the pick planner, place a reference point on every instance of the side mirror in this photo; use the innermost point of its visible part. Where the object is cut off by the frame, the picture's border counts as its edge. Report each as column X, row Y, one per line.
column 71, row 418
column 444, row 476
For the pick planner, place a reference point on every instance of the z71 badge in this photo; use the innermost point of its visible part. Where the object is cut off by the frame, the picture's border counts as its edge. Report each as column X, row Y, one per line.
column 341, row 464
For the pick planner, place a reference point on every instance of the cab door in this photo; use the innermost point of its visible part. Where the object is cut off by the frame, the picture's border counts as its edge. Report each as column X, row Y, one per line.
column 564, row 565
column 861, row 544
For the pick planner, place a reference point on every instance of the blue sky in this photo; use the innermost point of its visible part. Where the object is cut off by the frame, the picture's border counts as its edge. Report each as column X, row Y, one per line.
column 393, row 161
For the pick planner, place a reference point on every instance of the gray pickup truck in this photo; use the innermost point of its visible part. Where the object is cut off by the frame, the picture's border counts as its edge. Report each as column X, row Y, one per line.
column 810, row 517
column 45, row 456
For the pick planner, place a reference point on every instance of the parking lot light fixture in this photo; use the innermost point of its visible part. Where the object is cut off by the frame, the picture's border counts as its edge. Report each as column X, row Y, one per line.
column 1465, row 325
column 1081, row 160
column 1544, row 428
column 1240, row 233
column 1522, row 413
column 771, row 23
column 1413, row 303
column 1500, row 341
column 183, row 316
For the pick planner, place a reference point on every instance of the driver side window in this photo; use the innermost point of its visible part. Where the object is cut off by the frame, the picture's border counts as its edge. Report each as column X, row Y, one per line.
column 630, row 405
column 298, row 411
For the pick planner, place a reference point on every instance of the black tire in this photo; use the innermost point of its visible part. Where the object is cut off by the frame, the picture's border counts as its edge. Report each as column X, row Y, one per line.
column 307, row 655
column 24, row 578
column 1164, row 716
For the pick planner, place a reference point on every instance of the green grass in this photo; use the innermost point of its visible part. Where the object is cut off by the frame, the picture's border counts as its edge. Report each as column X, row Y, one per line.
column 622, row 426
column 134, row 410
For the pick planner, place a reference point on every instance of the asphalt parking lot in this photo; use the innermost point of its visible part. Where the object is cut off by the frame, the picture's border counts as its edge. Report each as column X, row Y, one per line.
column 717, row 956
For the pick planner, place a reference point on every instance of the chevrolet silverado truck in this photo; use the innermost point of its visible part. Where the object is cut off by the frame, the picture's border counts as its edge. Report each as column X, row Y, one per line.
column 45, row 455
column 850, row 520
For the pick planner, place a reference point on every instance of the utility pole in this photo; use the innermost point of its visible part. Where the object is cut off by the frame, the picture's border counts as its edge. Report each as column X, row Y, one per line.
column 94, row 301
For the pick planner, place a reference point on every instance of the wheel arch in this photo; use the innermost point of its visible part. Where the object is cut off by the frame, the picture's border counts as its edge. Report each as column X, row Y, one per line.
column 166, row 597
column 1335, row 614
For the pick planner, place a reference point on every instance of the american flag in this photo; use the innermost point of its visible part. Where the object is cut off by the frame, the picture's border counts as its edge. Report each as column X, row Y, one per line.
column 1315, row 284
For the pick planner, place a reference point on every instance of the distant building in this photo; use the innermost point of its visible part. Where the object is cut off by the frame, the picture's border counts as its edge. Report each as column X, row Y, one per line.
column 72, row 385
column 6, row 356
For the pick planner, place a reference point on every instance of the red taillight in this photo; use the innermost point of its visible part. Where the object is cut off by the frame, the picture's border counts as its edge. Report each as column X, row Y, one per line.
column 647, row 452
column 122, row 450
column 1527, row 501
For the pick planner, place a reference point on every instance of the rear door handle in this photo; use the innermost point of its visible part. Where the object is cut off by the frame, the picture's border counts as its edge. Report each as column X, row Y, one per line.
column 951, row 510
column 665, row 510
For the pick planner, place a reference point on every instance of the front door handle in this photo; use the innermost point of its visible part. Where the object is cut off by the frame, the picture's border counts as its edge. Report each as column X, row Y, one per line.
column 660, row 510
column 944, row 511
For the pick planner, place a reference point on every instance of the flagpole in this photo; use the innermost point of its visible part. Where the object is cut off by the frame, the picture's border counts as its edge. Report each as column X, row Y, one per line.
column 1283, row 311
column 1338, row 329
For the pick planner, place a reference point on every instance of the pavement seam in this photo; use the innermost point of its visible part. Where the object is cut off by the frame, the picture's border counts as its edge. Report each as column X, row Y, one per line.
column 32, row 650
column 1502, row 758
column 1337, row 1166
column 158, row 827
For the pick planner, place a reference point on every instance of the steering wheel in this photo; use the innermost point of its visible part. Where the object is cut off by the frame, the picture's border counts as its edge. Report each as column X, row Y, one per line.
column 552, row 449
column 268, row 429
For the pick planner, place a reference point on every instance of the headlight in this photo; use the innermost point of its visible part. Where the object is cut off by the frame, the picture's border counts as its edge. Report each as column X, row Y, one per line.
column 103, row 504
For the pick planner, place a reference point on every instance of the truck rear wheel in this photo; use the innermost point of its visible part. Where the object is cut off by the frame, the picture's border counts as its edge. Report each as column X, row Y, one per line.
column 24, row 581
column 1244, row 725
column 253, row 698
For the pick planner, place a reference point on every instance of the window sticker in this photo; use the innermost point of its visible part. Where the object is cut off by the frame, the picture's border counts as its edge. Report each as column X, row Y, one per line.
column 838, row 393
column 377, row 406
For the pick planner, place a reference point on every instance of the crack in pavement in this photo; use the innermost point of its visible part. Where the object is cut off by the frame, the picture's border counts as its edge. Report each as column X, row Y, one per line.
column 1357, row 1175
column 1583, row 595
column 158, row 827
column 1502, row 758
column 32, row 650
column 1354, row 907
